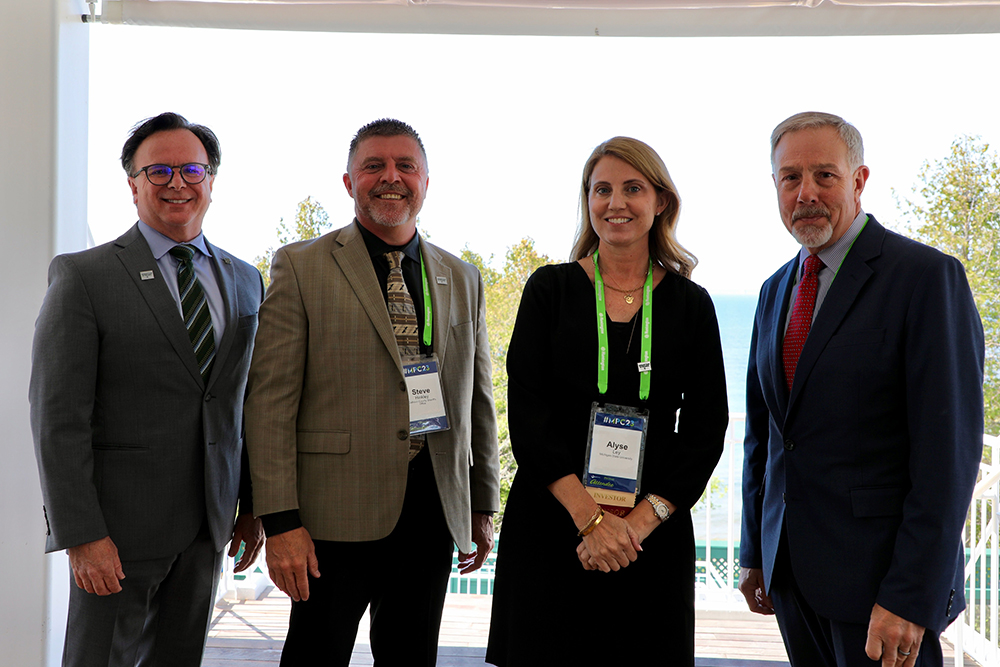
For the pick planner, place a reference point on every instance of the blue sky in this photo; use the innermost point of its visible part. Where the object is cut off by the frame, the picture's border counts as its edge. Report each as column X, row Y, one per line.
column 509, row 121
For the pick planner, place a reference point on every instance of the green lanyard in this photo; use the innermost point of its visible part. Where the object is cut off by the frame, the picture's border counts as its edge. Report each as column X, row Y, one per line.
column 865, row 224
column 428, row 311
column 602, row 333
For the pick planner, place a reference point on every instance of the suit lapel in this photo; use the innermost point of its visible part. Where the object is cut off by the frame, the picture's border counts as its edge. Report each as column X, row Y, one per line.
column 351, row 255
column 776, row 342
column 440, row 285
column 138, row 260
column 226, row 274
column 851, row 277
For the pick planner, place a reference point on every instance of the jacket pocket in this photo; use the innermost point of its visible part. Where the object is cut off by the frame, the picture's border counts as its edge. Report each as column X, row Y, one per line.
column 877, row 501
column 118, row 446
column 323, row 442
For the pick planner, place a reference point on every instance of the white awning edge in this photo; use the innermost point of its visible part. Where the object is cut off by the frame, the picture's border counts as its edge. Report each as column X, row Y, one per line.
column 826, row 19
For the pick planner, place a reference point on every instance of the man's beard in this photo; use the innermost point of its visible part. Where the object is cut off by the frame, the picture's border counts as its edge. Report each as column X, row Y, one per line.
column 389, row 220
column 812, row 235
column 386, row 218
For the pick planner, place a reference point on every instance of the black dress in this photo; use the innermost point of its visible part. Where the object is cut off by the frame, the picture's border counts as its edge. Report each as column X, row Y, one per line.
column 546, row 607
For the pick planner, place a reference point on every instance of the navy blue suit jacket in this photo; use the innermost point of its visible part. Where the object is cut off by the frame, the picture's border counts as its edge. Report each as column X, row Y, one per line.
column 870, row 460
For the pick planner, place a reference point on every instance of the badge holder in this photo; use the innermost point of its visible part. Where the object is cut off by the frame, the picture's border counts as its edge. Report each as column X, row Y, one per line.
column 423, row 386
column 613, row 465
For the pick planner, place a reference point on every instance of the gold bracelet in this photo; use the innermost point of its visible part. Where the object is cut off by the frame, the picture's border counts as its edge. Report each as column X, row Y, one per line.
column 592, row 524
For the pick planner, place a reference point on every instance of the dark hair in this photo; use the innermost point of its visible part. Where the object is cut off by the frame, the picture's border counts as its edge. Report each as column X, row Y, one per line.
column 170, row 121
column 384, row 127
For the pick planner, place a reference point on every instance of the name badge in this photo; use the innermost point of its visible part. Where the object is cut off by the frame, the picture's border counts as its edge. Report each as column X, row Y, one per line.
column 613, row 466
column 423, row 384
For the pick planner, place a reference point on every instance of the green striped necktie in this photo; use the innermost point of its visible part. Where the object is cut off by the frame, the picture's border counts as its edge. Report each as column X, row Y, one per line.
column 194, row 305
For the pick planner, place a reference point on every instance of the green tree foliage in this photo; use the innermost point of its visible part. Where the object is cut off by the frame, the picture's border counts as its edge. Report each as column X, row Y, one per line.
column 311, row 220
column 956, row 208
column 503, row 289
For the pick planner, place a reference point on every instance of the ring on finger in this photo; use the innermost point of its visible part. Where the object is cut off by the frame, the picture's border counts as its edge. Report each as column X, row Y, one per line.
column 901, row 651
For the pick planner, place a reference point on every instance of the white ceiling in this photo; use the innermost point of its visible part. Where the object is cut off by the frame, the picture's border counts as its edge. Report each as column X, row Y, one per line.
column 688, row 18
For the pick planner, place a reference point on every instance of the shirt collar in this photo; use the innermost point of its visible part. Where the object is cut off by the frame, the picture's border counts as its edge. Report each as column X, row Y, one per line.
column 833, row 256
column 377, row 247
column 160, row 244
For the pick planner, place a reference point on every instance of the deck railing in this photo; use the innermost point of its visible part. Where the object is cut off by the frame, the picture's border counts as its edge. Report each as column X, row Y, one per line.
column 717, row 569
column 976, row 631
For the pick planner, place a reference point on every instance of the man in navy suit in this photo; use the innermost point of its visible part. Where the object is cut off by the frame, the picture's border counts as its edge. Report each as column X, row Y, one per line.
column 137, row 415
column 864, row 421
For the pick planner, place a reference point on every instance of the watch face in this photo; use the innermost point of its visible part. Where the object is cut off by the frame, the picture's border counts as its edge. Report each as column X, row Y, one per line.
column 659, row 508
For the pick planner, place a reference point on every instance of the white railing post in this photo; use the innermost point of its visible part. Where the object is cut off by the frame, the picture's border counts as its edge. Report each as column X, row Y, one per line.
column 708, row 535
column 975, row 632
column 731, row 497
column 993, row 656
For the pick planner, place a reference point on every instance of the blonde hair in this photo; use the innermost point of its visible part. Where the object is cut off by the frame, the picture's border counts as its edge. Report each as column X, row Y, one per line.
column 663, row 246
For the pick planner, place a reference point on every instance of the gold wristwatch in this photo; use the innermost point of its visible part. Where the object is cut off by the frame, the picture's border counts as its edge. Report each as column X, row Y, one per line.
column 660, row 507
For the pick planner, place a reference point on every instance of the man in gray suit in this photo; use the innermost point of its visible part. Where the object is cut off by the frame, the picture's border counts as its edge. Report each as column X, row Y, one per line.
column 353, row 471
column 137, row 383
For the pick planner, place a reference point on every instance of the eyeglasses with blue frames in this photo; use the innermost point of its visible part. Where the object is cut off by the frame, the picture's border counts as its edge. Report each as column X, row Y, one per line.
column 193, row 173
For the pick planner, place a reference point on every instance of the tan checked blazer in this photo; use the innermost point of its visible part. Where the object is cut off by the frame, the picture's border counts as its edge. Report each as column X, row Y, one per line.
column 327, row 412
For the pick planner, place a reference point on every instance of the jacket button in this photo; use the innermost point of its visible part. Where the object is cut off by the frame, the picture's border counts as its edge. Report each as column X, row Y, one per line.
column 208, row 397
column 403, row 435
column 402, row 385
column 789, row 445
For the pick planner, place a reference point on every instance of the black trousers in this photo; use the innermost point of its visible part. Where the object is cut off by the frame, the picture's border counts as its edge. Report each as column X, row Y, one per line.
column 403, row 577
column 812, row 640
column 160, row 617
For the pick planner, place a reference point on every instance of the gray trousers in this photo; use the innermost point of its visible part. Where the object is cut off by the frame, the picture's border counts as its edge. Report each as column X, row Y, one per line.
column 160, row 617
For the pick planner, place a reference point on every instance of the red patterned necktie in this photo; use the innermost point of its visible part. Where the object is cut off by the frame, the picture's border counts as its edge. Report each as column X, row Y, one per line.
column 802, row 316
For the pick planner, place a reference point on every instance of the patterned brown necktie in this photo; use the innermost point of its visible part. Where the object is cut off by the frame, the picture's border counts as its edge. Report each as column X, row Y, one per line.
column 194, row 304
column 403, row 317
column 802, row 316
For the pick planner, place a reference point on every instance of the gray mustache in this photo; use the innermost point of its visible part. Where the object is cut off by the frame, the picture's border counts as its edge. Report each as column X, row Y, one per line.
column 810, row 212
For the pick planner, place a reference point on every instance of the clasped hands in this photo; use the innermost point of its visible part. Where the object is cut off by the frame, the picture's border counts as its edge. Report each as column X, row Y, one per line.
column 612, row 545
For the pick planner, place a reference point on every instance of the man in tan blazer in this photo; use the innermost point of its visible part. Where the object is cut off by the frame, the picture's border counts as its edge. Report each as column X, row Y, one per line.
column 348, row 495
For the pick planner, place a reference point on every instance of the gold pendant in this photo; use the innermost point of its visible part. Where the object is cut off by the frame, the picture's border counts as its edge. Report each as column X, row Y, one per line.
column 629, row 299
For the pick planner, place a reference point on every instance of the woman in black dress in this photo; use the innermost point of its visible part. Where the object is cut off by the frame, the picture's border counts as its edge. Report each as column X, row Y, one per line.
column 571, row 579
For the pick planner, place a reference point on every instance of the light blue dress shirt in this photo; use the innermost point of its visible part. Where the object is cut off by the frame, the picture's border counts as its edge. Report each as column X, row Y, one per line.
column 832, row 258
column 160, row 246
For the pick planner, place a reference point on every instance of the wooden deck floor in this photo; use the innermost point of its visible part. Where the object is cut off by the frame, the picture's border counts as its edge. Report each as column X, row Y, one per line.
column 251, row 634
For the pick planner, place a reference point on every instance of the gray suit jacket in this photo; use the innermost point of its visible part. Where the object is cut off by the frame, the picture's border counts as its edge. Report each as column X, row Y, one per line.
column 328, row 413
column 130, row 441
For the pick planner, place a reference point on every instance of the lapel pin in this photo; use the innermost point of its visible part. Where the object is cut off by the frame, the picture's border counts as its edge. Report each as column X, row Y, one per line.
column 145, row 275
column 226, row 260
column 441, row 280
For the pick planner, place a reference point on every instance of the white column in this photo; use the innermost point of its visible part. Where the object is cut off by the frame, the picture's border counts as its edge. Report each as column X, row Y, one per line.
column 44, row 62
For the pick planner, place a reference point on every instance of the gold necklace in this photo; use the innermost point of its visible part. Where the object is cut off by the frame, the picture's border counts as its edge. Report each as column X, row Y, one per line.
column 629, row 299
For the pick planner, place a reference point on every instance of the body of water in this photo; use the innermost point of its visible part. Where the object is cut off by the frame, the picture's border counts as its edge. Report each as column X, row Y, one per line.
column 735, row 314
